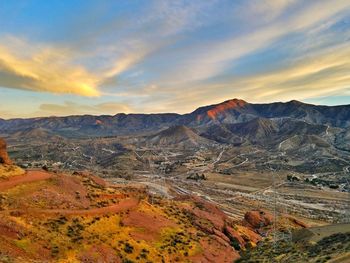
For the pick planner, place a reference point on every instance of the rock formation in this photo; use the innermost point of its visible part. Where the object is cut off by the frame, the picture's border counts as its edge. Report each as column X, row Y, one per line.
column 257, row 219
column 4, row 158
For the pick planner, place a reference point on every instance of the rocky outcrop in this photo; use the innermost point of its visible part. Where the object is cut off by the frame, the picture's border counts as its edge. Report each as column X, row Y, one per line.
column 261, row 222
column 215, row 223
column 4, row 158
column 257, row 219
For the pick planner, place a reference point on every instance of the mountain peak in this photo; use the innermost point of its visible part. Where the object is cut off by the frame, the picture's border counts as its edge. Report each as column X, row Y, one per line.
column 296, row 102
column 224, row 106
column 233, row 103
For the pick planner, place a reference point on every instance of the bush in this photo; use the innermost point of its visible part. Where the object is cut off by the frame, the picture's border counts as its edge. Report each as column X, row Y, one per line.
column 128, row 248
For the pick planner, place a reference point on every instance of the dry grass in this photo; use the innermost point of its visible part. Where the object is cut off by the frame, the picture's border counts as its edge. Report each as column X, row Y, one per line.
column 8, row 171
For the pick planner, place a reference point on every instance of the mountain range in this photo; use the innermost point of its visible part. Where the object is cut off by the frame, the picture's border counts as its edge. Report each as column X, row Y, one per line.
column 233, row 121
column 228, row 112
column 226, row 156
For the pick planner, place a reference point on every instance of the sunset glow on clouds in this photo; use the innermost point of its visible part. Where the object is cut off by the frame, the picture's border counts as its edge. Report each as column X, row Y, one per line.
column 105, row 57
column 43, row 69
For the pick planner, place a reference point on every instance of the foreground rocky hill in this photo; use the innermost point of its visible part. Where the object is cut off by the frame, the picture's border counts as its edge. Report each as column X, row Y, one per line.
column 78, row 217
column 64, row 218
column 57, row 217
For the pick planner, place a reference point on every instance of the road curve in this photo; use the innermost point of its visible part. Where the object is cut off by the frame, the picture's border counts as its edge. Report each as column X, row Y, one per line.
column 28, row 177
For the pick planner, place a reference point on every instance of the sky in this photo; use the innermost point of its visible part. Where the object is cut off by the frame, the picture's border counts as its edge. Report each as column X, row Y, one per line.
column 66, row 57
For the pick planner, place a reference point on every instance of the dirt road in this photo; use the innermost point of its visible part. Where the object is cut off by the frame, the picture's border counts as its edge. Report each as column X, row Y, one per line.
column 28, row 177
column 121, row 206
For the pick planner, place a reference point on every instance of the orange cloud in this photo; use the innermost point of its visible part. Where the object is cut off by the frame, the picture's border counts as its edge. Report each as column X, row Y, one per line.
column 41, row 68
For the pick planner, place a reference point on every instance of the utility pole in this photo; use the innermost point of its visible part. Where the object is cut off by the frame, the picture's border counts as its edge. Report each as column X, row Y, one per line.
column 274, row 202
column 274, row 210
column 347, row 206
column 287, row 234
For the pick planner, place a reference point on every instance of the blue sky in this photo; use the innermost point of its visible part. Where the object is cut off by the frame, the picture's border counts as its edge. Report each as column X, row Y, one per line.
column 103, row 57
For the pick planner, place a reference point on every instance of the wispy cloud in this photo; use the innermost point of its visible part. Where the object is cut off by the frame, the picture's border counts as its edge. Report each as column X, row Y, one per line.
column 321, row 74
column 319, row 68
column 43, row 68
column 85, row 66
column 324, row 74
column 267, row 11
column 209, row 60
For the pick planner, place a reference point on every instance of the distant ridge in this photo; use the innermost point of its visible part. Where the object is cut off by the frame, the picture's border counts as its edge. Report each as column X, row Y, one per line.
column 229, row 112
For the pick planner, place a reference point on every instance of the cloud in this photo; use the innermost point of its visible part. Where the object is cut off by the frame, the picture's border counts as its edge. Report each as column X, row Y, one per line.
column 181, row 16
column 28, row 66
column 267, row 10
column 5, row 114
column 72, row 108
column 176, row 55
column 95, row 58
column 211, row 59
column 320, row 75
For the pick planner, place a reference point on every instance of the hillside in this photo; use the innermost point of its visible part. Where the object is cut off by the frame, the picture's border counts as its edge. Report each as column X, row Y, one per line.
column 65, row 218
column 319, row 244
column 180, row 136
column 35, row 134
column 61, row 217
